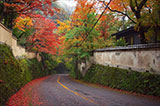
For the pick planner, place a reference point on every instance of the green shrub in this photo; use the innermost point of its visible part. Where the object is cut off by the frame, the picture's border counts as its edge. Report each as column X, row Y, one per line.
column 144, row 83
column 10, row 73
column 120, row 42
column 70, row 65
column 48, row 63
column 15, row 73
column 36, row 68
column 26, row 72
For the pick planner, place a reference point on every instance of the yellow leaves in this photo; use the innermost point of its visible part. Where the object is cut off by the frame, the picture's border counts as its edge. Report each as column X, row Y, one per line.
column 64, row 26
column 58, row 60
column 22, row 22
column 62, row 38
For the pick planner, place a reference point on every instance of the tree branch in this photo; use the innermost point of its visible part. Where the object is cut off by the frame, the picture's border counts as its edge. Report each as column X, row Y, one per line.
column 106, row 6
column 136, row 3
column 122, row 14
column 132, row 7
column 142, row 4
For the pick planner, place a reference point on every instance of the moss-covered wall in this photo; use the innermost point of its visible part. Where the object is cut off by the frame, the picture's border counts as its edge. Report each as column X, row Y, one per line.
column 140, row 82
column 16, row 73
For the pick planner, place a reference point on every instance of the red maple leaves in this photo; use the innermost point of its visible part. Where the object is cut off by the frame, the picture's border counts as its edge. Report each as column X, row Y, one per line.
column 27, row 95
column 44, row 38
column 29, row 7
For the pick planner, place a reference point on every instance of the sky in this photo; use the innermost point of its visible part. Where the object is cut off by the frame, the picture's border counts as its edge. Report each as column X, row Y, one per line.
column 69, row 3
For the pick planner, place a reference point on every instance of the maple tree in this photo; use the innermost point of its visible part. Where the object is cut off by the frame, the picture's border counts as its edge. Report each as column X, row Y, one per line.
column 22, row 27
column 23, row 22
column 80, row 35
column 82, row 21
column 107, row 22
column 64, row 27
column 27, row 12
column 10, row 9
column 44, row 39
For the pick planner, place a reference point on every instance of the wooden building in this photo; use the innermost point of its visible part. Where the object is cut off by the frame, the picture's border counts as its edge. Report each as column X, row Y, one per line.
column 129, row 35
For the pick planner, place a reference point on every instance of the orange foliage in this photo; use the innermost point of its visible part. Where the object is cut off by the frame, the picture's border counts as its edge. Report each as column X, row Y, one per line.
column 117, row 5
column 105, row 24
column 83, row 8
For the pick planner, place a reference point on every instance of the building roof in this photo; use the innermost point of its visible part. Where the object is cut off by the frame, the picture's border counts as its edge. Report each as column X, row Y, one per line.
column 124, row 32
column 7, row 29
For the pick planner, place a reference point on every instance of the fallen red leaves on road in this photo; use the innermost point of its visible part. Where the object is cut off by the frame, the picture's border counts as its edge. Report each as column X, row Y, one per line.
column 27, row 95
column 1, row 81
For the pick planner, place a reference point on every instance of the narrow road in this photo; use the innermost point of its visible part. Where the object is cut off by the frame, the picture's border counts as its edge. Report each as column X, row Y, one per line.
column 61, row 90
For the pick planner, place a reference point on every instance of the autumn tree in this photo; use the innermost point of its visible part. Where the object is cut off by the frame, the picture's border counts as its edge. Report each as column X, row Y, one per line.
column 44, row 38
column 10, row 9
column 152, row 20
column 22, row 29
column 107, row 25
column 81, row 35
column 135, row 11
column 7, row 17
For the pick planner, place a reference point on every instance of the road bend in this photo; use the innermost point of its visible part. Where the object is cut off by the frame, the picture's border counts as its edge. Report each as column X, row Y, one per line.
column 61, row 90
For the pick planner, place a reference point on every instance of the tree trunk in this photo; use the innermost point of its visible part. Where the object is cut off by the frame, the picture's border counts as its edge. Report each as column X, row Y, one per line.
column 76, row 66
column 43, row 64
column 142, row 37
column 157, row 33
column 155, row 36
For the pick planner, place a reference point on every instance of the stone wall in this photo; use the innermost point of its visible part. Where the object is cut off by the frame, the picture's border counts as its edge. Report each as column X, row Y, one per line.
column 140, row 58
column 7, row 38
column 5, row 35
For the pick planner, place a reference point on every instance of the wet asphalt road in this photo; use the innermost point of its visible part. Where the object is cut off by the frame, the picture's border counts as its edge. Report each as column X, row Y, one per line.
column 61, row 90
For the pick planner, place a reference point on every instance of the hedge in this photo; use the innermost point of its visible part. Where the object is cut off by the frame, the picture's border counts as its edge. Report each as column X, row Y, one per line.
column 129, row 80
